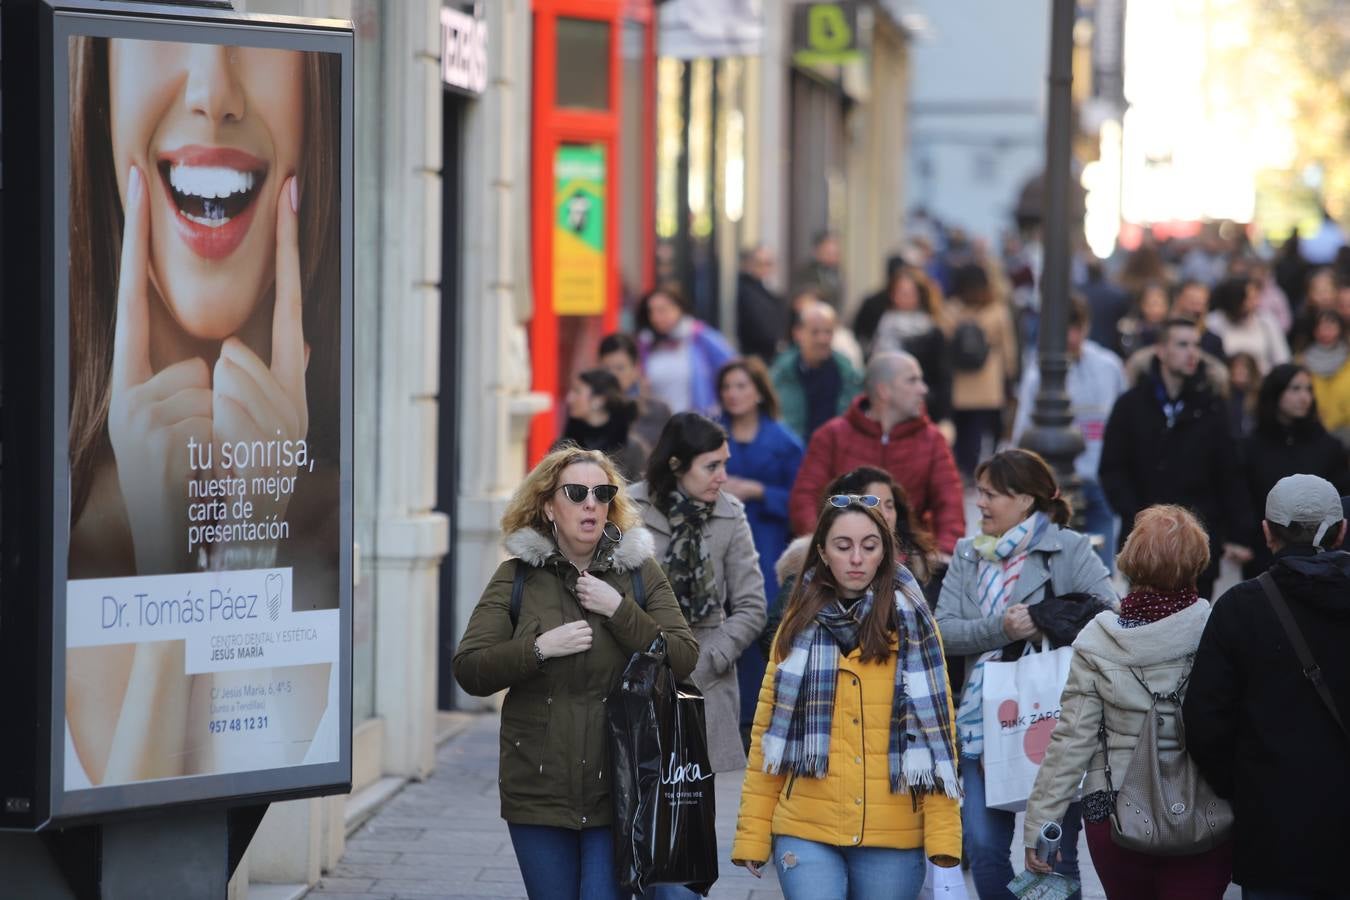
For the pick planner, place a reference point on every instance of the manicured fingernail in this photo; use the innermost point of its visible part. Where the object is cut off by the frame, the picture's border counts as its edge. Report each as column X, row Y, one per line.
column 133, row 184
column 295, row 196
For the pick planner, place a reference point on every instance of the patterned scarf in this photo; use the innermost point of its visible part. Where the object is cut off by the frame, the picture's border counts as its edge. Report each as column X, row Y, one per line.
column 1146, row 607
column 921, row 754
column 688, row 565
column 1001, row 561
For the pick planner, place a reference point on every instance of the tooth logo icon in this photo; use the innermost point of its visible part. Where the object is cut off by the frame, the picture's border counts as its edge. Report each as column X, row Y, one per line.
column 274, row 595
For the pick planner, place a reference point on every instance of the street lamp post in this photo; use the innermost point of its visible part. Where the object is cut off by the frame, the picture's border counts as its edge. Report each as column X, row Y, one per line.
column 1052, row 433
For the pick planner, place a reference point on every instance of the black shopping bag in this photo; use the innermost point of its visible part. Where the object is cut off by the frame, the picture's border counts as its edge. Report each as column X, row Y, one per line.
column 664, row 813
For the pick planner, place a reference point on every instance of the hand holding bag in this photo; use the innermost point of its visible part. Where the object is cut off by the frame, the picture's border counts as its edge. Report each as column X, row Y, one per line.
column 1164, row 807
column 1021, row 705
column 662, row 787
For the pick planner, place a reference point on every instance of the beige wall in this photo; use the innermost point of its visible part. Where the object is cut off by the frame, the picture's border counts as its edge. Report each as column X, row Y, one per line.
column 401, row 539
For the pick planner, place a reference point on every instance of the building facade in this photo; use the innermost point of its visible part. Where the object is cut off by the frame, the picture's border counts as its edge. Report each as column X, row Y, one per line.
column 443, row 378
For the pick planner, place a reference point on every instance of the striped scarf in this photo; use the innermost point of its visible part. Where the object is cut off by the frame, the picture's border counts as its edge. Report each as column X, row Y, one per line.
column 1001, row 561
column 921, row 753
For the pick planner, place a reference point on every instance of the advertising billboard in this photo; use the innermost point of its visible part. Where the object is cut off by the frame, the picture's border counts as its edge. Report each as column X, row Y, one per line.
column 201, row 229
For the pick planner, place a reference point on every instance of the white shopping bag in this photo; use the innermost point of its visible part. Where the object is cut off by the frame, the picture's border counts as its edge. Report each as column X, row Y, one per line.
column 1021, row 709
column 944, row 884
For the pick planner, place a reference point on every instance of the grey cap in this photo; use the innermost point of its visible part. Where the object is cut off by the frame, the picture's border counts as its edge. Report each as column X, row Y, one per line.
column 1305, row 499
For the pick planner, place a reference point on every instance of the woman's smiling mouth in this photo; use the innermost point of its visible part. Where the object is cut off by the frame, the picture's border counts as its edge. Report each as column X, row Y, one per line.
column 212, row 191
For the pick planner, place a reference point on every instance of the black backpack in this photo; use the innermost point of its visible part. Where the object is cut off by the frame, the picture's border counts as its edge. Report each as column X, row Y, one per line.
column 518, row 591
column 970, row 347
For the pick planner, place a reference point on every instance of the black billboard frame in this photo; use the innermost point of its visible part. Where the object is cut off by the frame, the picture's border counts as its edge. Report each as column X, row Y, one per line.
column 38, row 332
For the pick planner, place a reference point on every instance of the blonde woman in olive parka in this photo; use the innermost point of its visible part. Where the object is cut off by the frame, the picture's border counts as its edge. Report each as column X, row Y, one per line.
column 575, row 531
column 851, row 787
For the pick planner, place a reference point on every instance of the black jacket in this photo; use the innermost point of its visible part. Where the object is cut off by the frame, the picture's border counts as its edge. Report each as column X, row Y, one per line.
column 761, row 319
column 1269, row 455
column 1193, row 463
column 1256, row 729
column 1107, row 304
column 869, row 315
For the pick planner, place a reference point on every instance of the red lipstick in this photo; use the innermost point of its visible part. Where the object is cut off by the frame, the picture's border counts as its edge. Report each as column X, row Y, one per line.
column 213, row 192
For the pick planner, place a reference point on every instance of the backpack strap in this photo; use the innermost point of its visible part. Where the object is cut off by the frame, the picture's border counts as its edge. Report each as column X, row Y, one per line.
column 1311, row 670
column 517, row 592
column 639, row 589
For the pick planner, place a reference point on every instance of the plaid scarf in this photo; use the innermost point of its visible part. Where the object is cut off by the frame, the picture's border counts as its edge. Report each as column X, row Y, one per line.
column 1001, row 561
column 921, row 753
column 688, row 565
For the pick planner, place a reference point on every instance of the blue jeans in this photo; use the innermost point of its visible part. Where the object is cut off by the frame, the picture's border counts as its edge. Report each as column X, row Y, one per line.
column 1099, row 518
column 811, row 871
column 565, row 864
column 988, row 837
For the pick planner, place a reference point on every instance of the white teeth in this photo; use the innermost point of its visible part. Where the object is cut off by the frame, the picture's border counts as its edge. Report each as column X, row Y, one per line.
column 209, row 223
column 211, row 182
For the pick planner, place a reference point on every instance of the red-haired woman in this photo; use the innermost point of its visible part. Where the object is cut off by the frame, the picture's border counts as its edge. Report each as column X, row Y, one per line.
column 1151, row 641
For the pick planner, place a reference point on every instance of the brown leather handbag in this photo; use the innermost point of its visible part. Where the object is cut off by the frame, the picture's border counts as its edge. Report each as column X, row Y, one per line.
column 1164, row 807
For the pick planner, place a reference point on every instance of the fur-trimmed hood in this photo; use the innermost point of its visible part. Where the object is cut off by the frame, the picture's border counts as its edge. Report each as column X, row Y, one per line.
column 793, row 560
column 634, row 547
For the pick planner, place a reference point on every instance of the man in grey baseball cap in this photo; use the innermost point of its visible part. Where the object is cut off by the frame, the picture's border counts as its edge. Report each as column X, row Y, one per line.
column 1257, row 723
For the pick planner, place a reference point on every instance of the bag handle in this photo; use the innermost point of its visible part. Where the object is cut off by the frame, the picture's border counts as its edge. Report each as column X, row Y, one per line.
column 1311, row 670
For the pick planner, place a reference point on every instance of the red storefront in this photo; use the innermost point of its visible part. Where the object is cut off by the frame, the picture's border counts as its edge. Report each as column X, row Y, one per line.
column 592, row 183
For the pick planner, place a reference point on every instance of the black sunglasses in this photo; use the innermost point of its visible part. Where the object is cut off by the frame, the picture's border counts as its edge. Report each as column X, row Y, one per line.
column 604, row 493
column 841, row 501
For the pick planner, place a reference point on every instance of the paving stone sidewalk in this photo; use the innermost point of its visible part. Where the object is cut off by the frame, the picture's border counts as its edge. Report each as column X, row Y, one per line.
column 444, row 838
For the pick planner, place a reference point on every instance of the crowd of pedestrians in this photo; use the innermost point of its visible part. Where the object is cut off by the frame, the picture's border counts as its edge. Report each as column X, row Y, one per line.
column 793, row 519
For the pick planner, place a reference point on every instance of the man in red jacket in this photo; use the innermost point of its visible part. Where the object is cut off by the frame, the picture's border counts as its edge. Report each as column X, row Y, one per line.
column 886, row 427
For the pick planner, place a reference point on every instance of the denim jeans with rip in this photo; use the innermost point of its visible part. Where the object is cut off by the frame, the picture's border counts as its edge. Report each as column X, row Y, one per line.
column 808, row 870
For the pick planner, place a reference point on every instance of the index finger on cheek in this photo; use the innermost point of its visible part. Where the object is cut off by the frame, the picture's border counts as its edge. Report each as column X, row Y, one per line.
column 131, row 337
column 288, row 332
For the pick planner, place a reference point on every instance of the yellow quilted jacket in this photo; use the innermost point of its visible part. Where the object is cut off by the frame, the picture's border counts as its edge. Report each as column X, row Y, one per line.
column 853, row 804
column 1333, row 398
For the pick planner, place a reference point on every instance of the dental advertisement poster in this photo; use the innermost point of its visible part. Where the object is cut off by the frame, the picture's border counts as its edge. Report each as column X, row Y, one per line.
column 203, row 632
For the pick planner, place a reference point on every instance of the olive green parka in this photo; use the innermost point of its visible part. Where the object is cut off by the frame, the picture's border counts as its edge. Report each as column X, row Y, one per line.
column 555, row 766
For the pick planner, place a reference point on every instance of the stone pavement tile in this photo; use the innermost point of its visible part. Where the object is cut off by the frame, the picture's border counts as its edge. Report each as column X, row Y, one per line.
column 503, row 875
column 380, row 829
column 368, row 857
column 447, row 889
column 405, row 872
column 340, row 885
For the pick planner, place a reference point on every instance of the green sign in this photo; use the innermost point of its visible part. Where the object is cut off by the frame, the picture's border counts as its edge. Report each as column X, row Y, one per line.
column 579, row 230
column 825, row 33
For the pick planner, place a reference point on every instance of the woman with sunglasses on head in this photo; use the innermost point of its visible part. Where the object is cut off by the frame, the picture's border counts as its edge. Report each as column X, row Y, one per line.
column 1024, row 554
column 580, row 551
column 914, row 548
column 703, row 540
column 852, row 782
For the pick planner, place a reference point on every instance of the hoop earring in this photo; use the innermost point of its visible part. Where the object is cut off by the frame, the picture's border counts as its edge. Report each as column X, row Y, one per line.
column 613, row 532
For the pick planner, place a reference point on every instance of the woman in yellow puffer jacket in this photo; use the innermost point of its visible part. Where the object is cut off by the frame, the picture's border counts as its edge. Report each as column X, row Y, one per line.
column 852, row 773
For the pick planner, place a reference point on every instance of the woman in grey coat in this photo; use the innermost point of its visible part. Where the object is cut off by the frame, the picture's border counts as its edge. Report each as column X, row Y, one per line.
column 1022, row 555
column 703, row 542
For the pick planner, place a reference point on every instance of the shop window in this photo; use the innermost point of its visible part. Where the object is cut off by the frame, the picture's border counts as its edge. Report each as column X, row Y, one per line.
column 582, row 63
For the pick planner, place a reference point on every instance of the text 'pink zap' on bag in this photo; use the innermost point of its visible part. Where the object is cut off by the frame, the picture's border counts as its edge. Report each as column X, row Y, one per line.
column 1021, row 708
